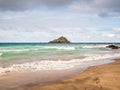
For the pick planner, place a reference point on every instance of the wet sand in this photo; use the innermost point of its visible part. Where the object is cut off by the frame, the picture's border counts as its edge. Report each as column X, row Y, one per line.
column 25, row 80
column 102, row 77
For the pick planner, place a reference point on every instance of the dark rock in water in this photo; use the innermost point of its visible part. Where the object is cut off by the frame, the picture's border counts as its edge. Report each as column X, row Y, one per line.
column 61, row 39
column 112, row 46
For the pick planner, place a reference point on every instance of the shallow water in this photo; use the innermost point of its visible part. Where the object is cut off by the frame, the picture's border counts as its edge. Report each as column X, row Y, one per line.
column 33, row 64
column 22, row 57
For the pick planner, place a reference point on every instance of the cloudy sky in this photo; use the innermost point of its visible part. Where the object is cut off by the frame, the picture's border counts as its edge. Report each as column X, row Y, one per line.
column 44, row 20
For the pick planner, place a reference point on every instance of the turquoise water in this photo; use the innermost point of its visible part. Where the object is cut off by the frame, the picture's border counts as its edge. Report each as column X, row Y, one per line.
column 20, row 57
column 9, row 50
column 50, row 51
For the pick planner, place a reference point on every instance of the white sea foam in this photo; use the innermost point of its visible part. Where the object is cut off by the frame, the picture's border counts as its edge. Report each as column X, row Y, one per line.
column 37, row 48
column 92, row 57
column 19, row 50
column 94, row 46
column 60, row 47
column 56, row 65
column 41, row 65
column 15, row 50
column 1, row 54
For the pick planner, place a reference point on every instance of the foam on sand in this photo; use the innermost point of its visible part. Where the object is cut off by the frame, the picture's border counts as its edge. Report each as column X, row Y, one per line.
column 59, row 64
column 35, row 66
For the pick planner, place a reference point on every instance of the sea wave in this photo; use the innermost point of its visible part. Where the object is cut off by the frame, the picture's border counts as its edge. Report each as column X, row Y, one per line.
column 34, row 66
column 92, row 57
column 19, row 50
column 15, row 50
column 89, row 60
column 1, row 54
column 94, row 46
column 60, row 47
column 37, row 48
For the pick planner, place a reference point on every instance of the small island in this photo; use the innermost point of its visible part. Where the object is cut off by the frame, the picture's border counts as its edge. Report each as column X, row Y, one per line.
column 113, row 46
column 61, row 39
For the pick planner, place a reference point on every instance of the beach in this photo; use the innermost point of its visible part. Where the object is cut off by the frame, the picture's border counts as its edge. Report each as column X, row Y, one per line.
column 103, row 77
column 58, row 67
column 59, row 44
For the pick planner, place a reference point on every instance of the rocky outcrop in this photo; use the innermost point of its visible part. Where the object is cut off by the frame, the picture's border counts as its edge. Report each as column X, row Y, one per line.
column 113, row 47
column 61, row 39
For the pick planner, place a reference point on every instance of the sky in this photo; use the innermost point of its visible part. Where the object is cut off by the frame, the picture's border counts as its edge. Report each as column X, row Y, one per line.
column 45, row 20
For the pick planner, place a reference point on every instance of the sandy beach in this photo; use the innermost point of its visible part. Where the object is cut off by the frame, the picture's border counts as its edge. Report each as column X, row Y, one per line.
column 103, row 77
column 13, row 81
column 59, row 44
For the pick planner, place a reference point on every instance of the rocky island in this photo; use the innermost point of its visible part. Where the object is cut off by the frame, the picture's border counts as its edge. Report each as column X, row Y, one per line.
column 113, row 46
column 61, row 39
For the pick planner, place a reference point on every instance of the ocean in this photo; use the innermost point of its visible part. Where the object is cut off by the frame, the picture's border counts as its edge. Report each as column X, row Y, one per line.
column 21, row 57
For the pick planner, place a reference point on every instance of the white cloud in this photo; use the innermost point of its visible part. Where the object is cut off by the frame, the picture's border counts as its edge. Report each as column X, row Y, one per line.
column 45, row 26
column 110, row 35
column 116, row 30
column 80, row 8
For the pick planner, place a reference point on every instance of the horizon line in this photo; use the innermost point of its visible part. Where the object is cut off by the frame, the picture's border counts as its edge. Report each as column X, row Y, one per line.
column 59, row 43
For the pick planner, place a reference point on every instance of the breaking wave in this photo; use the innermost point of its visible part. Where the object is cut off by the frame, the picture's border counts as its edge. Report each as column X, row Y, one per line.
column 39, row 48
column 1, row 54
column 94, row 46
column 89, row 60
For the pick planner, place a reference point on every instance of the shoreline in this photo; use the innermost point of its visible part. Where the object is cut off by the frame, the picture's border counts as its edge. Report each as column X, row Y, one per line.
column 71, row 79
column 26, row 79
column 102, row 77
column 59, row 64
